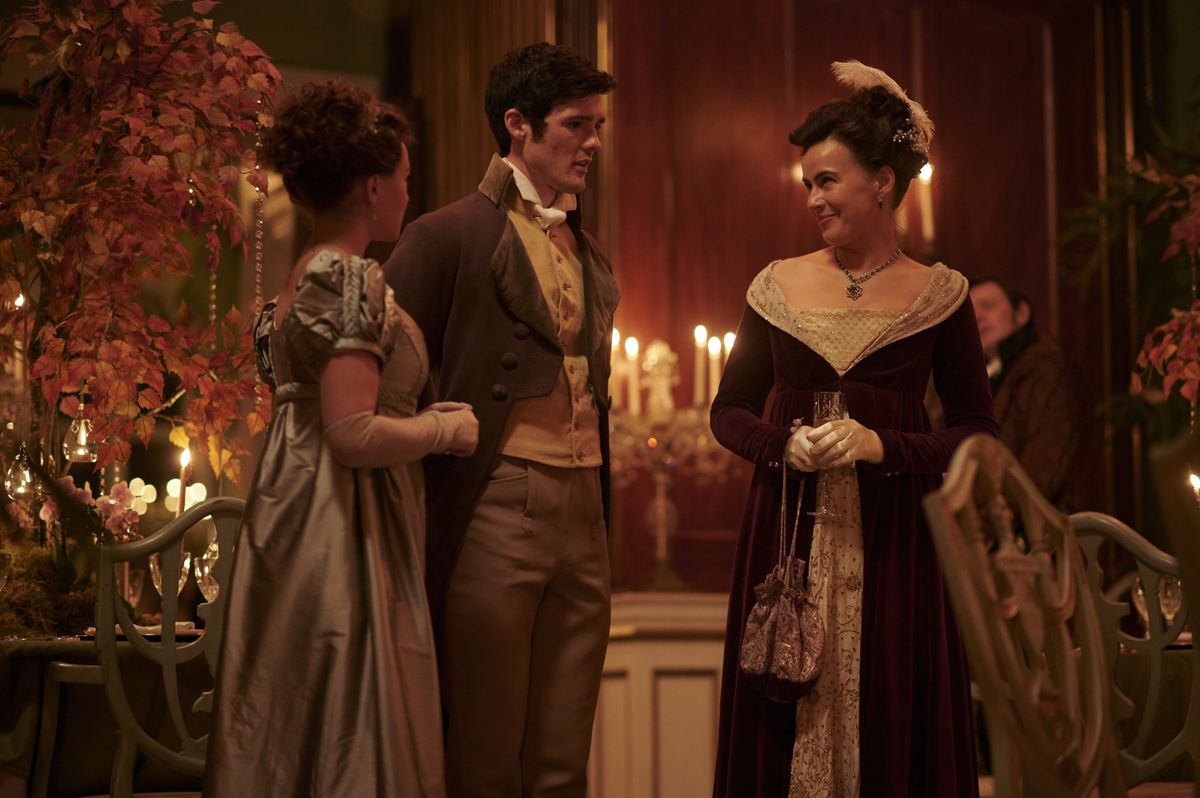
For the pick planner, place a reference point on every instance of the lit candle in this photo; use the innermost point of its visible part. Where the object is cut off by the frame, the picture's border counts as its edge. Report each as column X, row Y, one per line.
column 19, row 347
column 728, row 341
column 714, row 367
column 1194, row 481
column 635, row 388
column 185, row 472
column 925, row 204
column 614, row 380
column 701, row 334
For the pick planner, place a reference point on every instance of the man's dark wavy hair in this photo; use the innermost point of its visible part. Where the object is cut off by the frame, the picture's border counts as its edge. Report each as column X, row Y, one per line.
column 534, row 80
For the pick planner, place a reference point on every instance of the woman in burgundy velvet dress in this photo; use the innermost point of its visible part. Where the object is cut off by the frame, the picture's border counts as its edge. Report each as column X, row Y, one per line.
column 890, row 713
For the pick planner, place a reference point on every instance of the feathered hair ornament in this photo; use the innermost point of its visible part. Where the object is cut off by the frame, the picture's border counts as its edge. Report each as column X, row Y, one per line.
column 857, row 75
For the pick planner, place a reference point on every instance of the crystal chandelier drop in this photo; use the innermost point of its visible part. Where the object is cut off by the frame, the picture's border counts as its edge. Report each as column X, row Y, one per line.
column 78, row 446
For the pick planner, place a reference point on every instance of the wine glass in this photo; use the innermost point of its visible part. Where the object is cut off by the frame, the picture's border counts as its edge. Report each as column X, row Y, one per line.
column 5, row 569
column 206, row 577
column 156, row 575
column 827, row 406
column 1137, row 595
column 131, row 579
column 1170, row 597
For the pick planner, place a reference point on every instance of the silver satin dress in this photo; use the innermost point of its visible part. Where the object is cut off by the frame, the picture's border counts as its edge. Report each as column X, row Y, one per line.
column 327, row 682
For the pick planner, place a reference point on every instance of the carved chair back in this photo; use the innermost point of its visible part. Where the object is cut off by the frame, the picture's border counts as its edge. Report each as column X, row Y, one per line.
column 187, row 752
column 1017, row 582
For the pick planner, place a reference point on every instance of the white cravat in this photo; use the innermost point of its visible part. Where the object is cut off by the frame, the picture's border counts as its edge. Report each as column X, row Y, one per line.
column 546, row 218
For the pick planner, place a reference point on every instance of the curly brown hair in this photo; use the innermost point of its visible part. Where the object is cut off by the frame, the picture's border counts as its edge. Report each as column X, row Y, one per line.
column 867, row 123
column 327, row 135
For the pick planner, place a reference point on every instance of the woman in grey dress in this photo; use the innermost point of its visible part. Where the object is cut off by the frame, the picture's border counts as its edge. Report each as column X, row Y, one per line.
column 327, row 683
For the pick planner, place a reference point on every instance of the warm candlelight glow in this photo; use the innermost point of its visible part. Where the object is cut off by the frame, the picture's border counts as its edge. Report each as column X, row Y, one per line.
column 1195, row 481
column 19, row 301
column 615, row 374
column 729, row 339
column 714, row 367
column 634, row 376
column 925, row 206
column 701, row 334
column 798, row 172
column 698, row 384
column 185, row 472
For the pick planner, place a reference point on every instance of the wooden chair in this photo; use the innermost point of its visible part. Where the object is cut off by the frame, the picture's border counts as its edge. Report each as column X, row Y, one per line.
column 1154, row 739
column 184, row 750
column 1175, row 466
column 1018, row 585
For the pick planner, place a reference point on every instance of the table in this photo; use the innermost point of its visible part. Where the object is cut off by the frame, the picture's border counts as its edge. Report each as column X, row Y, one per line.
column 86, row 741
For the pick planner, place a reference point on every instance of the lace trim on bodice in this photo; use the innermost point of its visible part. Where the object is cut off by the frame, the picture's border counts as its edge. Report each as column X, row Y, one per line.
column 833, row 332
column 839, row 335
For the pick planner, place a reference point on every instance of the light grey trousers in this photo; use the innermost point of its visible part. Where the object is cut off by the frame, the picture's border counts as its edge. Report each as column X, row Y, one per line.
column 524, row 634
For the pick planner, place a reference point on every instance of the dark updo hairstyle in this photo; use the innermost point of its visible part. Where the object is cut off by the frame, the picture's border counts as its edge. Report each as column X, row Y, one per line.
column 533, row 80
column 327, row 135
column 867, row 122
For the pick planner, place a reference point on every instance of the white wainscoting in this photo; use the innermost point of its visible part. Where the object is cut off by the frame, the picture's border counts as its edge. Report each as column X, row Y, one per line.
column 656, row 723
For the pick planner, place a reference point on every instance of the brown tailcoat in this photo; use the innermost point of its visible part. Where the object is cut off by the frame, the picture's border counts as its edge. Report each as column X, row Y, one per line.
column 464, row 276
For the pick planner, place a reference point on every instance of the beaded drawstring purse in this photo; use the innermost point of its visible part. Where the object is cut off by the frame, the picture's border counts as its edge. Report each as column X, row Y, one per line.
column 781, row 646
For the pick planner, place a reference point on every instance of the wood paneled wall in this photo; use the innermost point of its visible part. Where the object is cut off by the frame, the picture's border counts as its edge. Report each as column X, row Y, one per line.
column 455, row 43
column 705, row 198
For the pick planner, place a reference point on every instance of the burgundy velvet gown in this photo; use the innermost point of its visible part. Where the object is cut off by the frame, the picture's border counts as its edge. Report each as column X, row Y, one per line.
column 915, row 730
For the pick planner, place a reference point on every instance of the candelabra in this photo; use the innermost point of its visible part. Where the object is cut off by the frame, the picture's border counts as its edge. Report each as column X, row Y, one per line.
column 662, row 440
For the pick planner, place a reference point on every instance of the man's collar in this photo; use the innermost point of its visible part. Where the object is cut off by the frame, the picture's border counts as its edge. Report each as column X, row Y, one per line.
column 501, row 173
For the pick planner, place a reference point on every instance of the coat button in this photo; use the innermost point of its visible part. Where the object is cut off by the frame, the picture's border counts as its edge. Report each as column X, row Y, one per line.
column 509, row 361
column 521, row 331
column 499, row 392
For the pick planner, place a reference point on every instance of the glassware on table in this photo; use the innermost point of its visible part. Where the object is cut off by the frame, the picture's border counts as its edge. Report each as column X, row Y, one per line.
column 827, row 406
column 206, row 577
column 1170, row 597
column 1137, row 597
column 131, row 580
column 156, row 575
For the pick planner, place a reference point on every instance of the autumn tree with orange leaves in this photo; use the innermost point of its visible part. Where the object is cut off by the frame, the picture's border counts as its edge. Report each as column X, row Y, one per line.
column 143, row 128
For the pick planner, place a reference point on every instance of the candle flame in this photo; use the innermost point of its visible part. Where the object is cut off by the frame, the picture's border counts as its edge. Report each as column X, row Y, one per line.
column 616, row 338
column 701, row 334
column 185, row 457
column 1194, row 480
column 729, row 339
column 631, row 348
column 926, row 173
column 714, row 346
column 19, row 301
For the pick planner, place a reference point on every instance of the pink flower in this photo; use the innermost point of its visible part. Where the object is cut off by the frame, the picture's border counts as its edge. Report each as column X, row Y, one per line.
column 120, row 492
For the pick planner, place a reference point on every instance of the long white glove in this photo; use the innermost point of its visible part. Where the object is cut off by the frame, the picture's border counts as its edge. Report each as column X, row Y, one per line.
column 367, row 440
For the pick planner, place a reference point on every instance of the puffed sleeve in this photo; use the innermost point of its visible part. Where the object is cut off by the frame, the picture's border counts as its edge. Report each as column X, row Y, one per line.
column 264, row 325
column 344, row 304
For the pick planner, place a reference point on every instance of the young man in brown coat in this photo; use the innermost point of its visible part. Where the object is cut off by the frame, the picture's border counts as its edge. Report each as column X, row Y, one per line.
column 516, row 305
